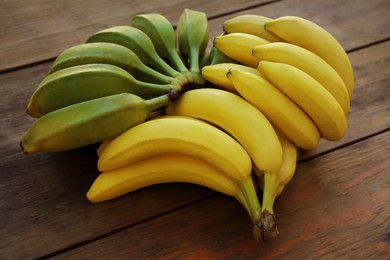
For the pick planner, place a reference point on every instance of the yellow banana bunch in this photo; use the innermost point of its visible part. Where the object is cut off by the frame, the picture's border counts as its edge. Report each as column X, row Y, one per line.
column 166, row 108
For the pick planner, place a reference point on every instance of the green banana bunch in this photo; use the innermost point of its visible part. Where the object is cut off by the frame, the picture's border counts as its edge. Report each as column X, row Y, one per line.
column 88, row 122
column 161, row 32
column 137, row 41
column 108, row 53
column 85, row 82
column 193, row 36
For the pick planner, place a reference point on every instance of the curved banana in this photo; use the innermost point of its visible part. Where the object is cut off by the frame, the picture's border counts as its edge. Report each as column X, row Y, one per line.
column 188, row 136
column 226, row 110
column 311, row 36
column 238, row 46
column 310, row 95
column 277, row 107
column 216, row 74
column 163, row 168
column 108, row 53
column 86, row 82
column 193, row 35
column 272, row 185
column 252, row 24
column 137, row 41
column 88, row 122
column 308, row 62
column 161, row 32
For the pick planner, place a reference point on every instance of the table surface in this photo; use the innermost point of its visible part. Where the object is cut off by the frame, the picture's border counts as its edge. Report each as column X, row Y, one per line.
column 337, row 205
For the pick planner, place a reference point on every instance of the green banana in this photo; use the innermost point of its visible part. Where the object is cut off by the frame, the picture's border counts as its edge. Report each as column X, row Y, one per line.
column 88, row 122
column 85, row 82
column 108, row 53
column 137, row 41
column 193, row 36
column 161, row 32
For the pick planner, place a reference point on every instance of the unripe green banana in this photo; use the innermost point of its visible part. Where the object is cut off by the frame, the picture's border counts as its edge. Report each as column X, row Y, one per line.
column 193, row 36
column 85, row 82
column 161, row 32
column 137, row 41
column 108, row 53
column 88, row 122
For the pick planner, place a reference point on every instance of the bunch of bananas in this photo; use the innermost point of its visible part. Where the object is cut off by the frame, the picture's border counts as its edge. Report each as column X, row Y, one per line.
column 229, row 117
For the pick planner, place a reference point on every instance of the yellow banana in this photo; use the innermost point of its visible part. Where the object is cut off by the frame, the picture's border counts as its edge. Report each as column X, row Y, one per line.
column 238, row 46
column 159, row 169
column 308, row 62
column 273, row 184
column 88, row 122
column 252, row 24
column 311, row 36
column 216, row 74
column 310, row 95
column 226, row 110
column 277, row 107
column 188, row 136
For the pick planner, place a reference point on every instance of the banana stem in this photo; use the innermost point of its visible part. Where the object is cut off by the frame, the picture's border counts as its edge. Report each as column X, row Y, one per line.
column 157, row 102
column 249, row 191
column 267, row 225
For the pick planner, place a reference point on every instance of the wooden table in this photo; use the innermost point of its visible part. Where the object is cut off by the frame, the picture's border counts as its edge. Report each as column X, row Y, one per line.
column 337, row 206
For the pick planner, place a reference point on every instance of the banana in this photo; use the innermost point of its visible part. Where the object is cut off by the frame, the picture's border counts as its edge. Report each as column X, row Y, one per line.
column 310, row 63
column 310, row 95
column 277, row 107
column 225, row 110
column 272, row 185
column 164, row 168
column 85, row 82
column 216, row 74
column 88, row 122
column 311, row 36
column 161, row 32
column 252, row 24
column 137, row 41
column 188, row 136
column 108, row 53
column 192, row 35
column 238, row 46
column 218, row 57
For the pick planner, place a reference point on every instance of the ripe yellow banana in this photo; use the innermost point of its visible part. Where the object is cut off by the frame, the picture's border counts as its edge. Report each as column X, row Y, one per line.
column 277, row 107
column 310, row 95
column 188, row 136
column 86, row 82
column 137, row 41
column 161, row 32
column 88, row 122
column 252, row 24
column 163, row 168
column 239, row 46
column 308, row 62
column 272, row 185
column 193, row 36
column 108, row 53
column 216, row 74
column 311, row 36
column 225, row 110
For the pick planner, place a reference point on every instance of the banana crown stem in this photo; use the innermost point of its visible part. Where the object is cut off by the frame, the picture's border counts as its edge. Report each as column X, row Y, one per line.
column 157, row 102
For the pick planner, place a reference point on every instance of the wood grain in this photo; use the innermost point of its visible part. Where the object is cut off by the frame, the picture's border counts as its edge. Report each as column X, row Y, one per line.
column 40, row 31
column 335, row 208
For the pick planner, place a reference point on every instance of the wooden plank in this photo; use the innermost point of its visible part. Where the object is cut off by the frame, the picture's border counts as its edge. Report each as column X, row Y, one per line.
column 44, row 209
column 372, row 79
column 343, row 19
column 39, row 30
column 335, row 208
